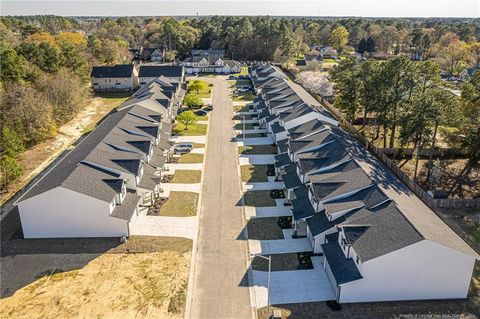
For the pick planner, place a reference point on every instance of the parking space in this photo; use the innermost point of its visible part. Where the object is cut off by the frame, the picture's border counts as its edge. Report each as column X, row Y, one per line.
column 279, row 246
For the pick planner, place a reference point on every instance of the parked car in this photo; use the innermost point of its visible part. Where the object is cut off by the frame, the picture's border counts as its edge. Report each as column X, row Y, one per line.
column 209, row 107
column 201, row 112
column 180, row 111
column 183, row 148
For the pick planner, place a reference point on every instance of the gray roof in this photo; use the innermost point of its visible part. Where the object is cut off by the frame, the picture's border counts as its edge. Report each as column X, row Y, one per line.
column 149, row 181
column 343, row 269
column 126, row 209
column 368, row 197
column 291, row 180
column 305, row 129
column 282, row 146
column 301, row 191
column 302, row 208
column 277, row 128
column 312, row 141
column 296, row 112
column 282, row 160
column 342, row 179
column 115, row 71
column 378, row 231
column 169, row 71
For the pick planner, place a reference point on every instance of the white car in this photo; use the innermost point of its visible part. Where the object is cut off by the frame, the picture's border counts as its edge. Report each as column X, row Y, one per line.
column 183, row 148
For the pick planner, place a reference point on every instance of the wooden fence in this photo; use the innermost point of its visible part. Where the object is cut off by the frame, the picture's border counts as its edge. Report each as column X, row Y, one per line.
column 381, row 155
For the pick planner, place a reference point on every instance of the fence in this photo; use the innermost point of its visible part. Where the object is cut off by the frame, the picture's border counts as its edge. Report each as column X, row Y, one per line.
column 381, row 154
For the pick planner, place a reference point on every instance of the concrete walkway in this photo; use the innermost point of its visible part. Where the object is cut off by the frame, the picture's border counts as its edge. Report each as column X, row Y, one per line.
column 279, row 246
column 199, row 150
column 172, row 167
column 255, row 141
column 259, row 186
column 259, row 212
column 246, row 121
column 190, row 139
column 292, row 286
column 179, row 187
column 252, row 131
column 165, row 226
column 256, row 159
column 202, row 122
column 219, row 285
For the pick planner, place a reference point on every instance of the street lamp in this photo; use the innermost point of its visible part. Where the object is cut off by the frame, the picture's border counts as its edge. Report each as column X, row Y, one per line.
column 269, row 258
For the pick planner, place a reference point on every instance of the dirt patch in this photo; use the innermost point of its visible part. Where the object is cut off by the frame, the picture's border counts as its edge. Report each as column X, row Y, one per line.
column 110, row 285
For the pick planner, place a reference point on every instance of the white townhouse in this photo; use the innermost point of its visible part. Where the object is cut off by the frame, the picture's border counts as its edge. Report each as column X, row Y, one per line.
column 117, row 78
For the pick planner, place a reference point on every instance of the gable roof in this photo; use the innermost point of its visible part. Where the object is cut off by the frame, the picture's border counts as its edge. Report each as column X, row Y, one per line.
column 343, row 269
column 115, row 71
column 169, row 71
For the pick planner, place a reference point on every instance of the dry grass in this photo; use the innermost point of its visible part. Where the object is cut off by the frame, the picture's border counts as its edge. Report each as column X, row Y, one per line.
column 191, row 158
column 264, row 229
column 258, row 149
column 180, row 204
column 258, row 199
column 112, row 285
column 187, row 176
column 254, row 173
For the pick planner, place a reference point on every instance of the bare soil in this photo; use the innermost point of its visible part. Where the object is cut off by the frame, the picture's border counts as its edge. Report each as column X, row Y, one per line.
column 128, row 281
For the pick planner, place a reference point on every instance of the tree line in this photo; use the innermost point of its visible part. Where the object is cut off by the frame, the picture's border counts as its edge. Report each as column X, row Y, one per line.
column 409, row 102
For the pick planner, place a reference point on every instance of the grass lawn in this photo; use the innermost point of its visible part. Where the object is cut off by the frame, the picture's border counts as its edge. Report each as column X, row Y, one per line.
column 254, row 173
column 150, row 274
column 180, row 204
column 198, row 145
column 259, row 199
column 283, row 262
column 264, row 229
column 241, row 108
column 202, row 118
column 187, row 176
column 246, row 96
column 251, row 135
column 243, row 82
column 241, row 126
column 190, row 158
column 242, row 117
column 206, row 93
column 258, row 149
column 192, row 130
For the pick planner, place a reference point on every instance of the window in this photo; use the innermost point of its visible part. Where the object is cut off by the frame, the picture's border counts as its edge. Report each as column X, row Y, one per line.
column 357, row 260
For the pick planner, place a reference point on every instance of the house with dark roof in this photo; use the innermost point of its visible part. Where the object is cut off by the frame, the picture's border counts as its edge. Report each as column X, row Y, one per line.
column 96, row 189
column 375, row 239
column 116, row 78
column 150, row 72
column 210, row 64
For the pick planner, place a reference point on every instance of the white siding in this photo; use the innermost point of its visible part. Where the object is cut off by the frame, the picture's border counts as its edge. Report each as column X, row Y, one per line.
column 75, row 215
column 115, row 84
column 425, row 270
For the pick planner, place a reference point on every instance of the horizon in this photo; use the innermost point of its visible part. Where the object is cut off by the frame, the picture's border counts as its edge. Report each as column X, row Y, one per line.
column 374, row 9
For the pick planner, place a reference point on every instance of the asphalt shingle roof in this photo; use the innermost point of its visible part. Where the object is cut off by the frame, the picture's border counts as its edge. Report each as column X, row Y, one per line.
column 302, row 208
column 343, row 269
column 116, row 71
column 126, row 209
column 169, row 71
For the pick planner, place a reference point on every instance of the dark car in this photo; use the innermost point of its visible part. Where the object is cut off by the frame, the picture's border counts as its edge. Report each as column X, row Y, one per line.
column 201, row 112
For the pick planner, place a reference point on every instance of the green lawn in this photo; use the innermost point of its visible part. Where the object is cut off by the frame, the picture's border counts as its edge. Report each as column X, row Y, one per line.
column 241, row 108
column 180, row 204
column 246, row 96
column 258, row 199
column 192, row 130
column 206, row 93
column 264, row 229
column 242, row 117
column 254, row 173
column 190, row 158
column 251, row 135
column 202, row 118
column 258, row 149
column 198, row 145
column 187, row 176
column 246, row 126
column 243, row 82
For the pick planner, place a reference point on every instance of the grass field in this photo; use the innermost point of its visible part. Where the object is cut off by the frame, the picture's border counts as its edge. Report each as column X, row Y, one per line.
column 180, row 204
column 124, row 283
column 187, row 176
column 247, row 96
column 258, row 199
column 190, row 158
column 254, row 173
column 104, row 103
column 192, row 130
column 258, row 149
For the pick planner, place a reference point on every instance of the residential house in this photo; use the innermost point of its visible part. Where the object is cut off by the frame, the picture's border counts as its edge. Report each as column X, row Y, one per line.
column 149, row 72
column 96, row 190
column 116, row 78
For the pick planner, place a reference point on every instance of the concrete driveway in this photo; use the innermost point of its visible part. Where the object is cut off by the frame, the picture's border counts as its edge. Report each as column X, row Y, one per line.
column 255, row 141
column 259, row 212
column 292, row 286
column 279, row 246
column 165, row 226
column 261, row 186
column 256, row 159
column 190, row 139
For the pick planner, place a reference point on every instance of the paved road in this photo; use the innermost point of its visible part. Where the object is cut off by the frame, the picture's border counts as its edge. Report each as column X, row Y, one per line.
column 220, row 288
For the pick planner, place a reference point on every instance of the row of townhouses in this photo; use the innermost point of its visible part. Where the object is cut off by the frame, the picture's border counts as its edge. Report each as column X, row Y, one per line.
column 127, row 77
column 97, row 188
column 210, row 61
column 377, row 240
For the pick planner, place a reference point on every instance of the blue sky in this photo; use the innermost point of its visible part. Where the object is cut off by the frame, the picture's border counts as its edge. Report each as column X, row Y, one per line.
column 365, row 8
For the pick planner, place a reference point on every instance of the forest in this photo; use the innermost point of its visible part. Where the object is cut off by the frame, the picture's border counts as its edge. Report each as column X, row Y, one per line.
column 45, row 63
